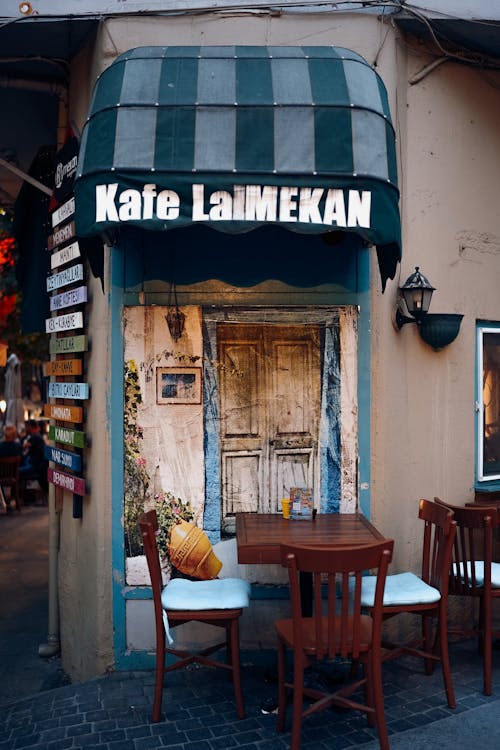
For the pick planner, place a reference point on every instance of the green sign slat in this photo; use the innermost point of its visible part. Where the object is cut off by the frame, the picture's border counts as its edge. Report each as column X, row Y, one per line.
column 67, row 436
column 68, row 344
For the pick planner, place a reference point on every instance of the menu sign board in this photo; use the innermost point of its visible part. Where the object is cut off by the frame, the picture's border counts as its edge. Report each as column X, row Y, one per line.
column 65, row 249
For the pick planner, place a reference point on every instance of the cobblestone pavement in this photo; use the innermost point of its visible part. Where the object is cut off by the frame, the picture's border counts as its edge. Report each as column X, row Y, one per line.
column 114, row 711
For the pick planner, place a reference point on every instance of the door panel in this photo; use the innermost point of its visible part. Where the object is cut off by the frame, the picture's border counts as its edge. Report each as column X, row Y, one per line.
column 269, row 406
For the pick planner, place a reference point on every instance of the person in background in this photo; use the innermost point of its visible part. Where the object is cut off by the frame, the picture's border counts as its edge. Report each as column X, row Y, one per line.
column 10, row 445
column 34, row 464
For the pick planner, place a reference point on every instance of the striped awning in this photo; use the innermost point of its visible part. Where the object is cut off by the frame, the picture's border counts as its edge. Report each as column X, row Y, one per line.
column 238, row 137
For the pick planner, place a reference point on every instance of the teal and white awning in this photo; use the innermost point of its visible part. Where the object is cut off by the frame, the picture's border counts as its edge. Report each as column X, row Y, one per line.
column 238, row 137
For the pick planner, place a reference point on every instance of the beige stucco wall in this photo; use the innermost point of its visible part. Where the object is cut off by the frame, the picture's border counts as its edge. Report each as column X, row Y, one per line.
column 423, row 401
column 422, row 416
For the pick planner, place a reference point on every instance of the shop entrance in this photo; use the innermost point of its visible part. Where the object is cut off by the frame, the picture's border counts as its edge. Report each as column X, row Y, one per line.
column 270, row 405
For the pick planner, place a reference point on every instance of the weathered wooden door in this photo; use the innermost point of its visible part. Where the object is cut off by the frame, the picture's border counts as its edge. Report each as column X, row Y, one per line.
column 269, row 390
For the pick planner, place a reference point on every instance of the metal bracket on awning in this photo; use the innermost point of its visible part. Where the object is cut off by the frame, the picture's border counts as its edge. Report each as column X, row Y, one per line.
column 24, row 176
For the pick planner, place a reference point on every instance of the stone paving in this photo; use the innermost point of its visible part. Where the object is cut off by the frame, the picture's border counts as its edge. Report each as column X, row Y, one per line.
column 114, row 711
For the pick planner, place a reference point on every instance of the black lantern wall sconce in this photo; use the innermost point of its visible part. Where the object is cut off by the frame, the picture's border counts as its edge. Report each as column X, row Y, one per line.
column 439, row 329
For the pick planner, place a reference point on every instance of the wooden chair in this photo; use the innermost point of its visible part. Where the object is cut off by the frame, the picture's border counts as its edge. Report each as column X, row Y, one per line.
column 474, row 574
column 425, row 595
column 337, row 628
column 9, row 477
column 218, row 602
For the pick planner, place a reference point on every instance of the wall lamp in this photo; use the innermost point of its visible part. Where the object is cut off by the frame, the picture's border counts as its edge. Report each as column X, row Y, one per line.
column 438, row 330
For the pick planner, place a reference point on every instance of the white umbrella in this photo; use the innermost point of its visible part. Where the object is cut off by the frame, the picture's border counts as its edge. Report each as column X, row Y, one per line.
column 13, row 392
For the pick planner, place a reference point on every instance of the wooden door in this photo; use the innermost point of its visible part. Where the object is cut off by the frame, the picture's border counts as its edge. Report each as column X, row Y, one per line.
column 269, row 413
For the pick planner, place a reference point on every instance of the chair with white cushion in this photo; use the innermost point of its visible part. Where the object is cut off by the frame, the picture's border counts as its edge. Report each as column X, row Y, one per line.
column 474, row 574
column 425, row 595
column 218, row 602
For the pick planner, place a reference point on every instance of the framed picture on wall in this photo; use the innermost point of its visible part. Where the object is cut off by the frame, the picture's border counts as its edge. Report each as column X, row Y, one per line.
column 178, row 385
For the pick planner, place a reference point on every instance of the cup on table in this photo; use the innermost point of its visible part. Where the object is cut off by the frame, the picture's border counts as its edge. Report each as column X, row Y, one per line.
column 285, row 507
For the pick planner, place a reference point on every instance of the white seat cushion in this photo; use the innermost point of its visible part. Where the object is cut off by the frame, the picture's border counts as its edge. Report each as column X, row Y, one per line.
column 402, row 588
column 218, row 593
column 479, row 569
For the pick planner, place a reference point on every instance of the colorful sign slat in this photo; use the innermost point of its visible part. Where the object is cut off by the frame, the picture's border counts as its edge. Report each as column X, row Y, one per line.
column 69, row 322
column 63, row 212
column 69, row 460
column 62, row 235
column 66, row 436
column 63, row 367
column 68, row 345
column 63, row 278
column 76, row 485
column 78, row 391
column 63, row 413
column 70, row 252
column 68, row 298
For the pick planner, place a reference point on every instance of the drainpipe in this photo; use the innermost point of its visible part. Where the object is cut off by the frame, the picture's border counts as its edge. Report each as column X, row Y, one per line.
column 53, row 646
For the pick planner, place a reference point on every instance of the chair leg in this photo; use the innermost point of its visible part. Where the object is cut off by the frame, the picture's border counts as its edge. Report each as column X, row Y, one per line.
column 487, row 646
column 427, row 643
column 298, row 700
column 159, row 675
column 281, row 686
column 375, row 677
column 233, row 649
column 445, row 659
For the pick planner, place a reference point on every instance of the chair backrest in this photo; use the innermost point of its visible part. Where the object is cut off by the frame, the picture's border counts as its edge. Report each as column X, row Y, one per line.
column 148, row 524
column 473, row 544
column 337, row 575
column 9, row 467
column 439, row 536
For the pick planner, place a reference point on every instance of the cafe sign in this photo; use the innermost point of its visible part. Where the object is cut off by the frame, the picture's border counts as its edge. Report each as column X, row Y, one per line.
column 249, row 203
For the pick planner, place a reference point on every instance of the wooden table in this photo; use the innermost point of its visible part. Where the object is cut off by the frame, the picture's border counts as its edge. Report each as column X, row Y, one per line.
column 259, row 535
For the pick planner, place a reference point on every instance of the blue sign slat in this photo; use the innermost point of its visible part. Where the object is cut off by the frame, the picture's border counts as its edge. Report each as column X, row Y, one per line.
column 63, row 458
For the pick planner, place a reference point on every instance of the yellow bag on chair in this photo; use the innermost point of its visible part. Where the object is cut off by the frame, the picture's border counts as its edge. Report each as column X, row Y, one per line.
column 190, row 551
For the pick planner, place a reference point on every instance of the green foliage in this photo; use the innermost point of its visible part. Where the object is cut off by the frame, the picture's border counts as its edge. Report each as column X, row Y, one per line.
column 136, row 478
